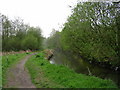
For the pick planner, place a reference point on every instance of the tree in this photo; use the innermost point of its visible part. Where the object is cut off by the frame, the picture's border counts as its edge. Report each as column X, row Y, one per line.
column 18, row 36
column 91, row 32
column 53, row 42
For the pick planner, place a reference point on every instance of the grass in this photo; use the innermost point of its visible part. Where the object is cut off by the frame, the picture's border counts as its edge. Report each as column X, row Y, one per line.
column 46, row 75
column 0, row 72
column 7, row 62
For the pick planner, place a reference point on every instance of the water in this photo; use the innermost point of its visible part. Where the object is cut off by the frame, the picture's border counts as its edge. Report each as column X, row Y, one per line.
column 84, row 67
column 52, row 62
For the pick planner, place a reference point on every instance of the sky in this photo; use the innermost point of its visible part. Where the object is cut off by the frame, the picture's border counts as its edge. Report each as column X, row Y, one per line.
column 47, row 14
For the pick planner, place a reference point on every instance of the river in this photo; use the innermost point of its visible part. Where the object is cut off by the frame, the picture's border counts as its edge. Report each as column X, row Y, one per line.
column 84, row 67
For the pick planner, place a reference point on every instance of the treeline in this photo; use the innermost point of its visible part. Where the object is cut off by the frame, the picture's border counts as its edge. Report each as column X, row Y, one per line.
column 93, row 32
column 19, row 36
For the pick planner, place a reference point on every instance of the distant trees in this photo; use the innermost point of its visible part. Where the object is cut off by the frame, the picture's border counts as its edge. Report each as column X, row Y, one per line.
column 93, row 32
column 54, row 40
column 18, row 36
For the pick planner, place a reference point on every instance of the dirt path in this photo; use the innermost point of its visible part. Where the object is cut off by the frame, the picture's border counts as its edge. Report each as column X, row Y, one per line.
column 18, row 76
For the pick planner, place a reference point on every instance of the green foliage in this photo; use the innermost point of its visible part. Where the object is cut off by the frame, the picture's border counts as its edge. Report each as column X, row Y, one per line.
column 27, row 44
column 7, row 62
column 18, row 36
column 53, row 41
column 92, row 31
column 61, row 76
column 0, row 71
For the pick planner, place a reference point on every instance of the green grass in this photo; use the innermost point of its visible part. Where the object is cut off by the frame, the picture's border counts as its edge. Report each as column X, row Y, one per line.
column 7, row 62
column 46, row 75
column 0, row 72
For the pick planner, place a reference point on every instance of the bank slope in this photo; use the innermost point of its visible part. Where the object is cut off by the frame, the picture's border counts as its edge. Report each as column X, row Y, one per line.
column 46, row 75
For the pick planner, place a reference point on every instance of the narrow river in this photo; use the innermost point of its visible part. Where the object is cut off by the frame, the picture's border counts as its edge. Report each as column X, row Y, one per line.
column 84, row 67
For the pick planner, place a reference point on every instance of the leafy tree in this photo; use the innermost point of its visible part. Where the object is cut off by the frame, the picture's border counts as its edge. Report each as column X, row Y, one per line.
column 18, row 36
column 92, row 31
column 30, row 42
column 53, row 42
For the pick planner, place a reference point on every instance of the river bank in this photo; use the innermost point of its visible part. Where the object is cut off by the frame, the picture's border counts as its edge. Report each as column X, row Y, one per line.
column 44, row 74
column 80, row 65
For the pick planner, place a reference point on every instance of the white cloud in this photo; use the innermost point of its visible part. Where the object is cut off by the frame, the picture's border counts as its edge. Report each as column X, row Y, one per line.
column 46, row 14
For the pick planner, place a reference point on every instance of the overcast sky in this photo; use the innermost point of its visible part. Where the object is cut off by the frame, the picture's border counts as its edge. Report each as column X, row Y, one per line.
column 47, row 14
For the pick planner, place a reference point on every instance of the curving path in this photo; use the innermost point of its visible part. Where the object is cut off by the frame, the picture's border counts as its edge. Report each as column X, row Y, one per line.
column 18, row 76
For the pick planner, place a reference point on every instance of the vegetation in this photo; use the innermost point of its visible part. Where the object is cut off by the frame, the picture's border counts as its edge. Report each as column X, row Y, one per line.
column 0, row 71
column 53, row 41
column 92, row 31
column 44, row 74
column 19, row 36
column 9, row 61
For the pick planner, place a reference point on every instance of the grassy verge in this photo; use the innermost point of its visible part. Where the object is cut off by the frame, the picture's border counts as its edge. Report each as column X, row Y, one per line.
column 44, row 74
column 7, row 62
